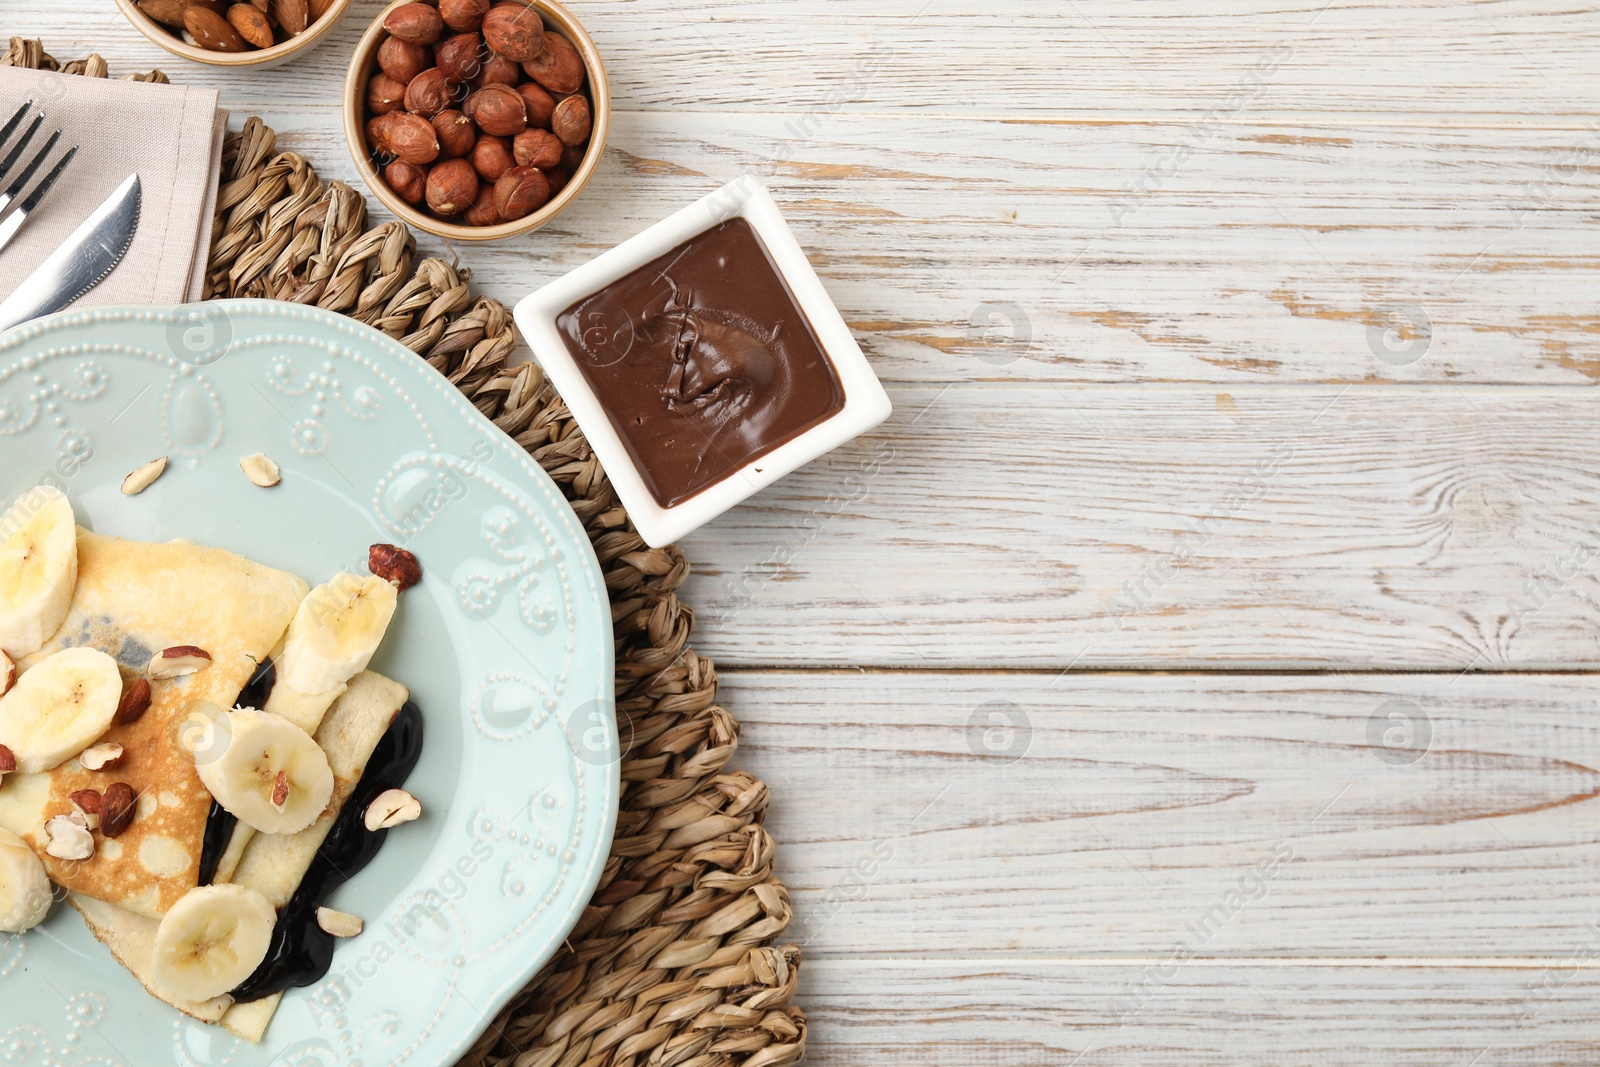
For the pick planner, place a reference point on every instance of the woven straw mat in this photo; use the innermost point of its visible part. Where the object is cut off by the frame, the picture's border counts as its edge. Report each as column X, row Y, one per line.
column 672, row 962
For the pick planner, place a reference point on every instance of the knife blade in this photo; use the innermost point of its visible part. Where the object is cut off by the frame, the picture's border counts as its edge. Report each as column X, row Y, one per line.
column 83, row 260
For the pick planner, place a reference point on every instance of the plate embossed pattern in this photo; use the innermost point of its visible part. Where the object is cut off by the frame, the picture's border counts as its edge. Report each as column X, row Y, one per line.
column 506, row 643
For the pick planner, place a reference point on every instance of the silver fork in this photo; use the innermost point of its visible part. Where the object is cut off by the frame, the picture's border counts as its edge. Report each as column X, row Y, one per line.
column 13, row 222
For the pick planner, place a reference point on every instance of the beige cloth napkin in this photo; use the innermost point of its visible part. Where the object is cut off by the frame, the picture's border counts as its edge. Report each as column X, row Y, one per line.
column 170, row 135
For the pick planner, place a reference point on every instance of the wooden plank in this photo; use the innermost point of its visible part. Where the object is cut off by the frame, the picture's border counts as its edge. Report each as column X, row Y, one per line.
column 1306, row 528
column 1103, row 816
column 801, row 59
column 963, row 1013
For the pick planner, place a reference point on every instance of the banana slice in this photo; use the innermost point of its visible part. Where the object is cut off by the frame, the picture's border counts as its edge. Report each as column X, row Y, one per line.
column 38, row 568
column 25, row 896
column 211, row 940
column 335, row 631
column 264, row 770
column 59, row 707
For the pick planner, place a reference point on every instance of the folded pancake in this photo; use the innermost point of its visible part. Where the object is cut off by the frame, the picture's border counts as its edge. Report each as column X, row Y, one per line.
column 132, row 600
column 274, row 864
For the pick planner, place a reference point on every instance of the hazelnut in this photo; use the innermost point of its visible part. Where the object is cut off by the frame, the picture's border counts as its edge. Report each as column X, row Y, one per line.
column 402, row 60
column 492, row 157
column 251, row 24
column 452, row 186
column 520, row 191
column 385, row 94
column 429, row 93
column 483, row 212
column 514, row 31
column 463, row 15
column 456, row 133
column 558, row 67
column 537, row 148
column 540, row 104
column 412, row 138
column 498, row 110
column 418, row 23
column 407, row 180
column 497, row 70
column 557, row 177
column 571, row 121
column 460, row 57
column 572, row 158
column 394, row 564
column 378, row 128
column 117, row 807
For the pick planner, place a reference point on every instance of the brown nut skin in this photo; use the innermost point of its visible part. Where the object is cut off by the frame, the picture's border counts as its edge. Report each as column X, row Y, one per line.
column 498, row 110
column 378, row 128
column 403, row 60
column 320, row 8
column 557, row 177
column 572, row 158
column 463, row 15
column 134, row 703
column 251, row 24
column 483, row 212
column 211, row 31
column 118, row 804
column 460, row 57
column 514, row 31
column 293, row 16
column 537, row 148
column 408, row 180
column 456, row 133
column 492, row 157
column 558, row 67
column 521, row 191
column 571, row 121
column 429, row 93
column 394, row 564
column 385, row 94
column 418, row 23
column 452, row 187
column 541, row 105
column 88, row 801
column 166, row 12
column 412, row 138
column 497, row 70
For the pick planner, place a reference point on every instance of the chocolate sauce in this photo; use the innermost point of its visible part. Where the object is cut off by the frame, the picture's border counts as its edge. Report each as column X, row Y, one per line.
column 301, row 951
column 219, row 824
column 703, row 360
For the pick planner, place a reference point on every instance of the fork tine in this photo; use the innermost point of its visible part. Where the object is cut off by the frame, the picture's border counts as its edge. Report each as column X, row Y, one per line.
column 11, row 124
column 11, row 157
column 40, row 190
column 13, row 221
column 16, row 187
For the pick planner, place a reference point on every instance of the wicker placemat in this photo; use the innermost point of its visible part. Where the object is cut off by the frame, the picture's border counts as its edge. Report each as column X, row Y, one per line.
column 672, row 962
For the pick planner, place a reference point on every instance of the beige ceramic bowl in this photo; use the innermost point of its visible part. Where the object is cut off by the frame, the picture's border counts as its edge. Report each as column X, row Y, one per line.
column 172, row 40
column 365, row 62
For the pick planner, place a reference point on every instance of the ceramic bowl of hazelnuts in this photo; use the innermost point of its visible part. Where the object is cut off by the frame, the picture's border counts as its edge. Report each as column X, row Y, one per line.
column 235, row 33
column 476, row 119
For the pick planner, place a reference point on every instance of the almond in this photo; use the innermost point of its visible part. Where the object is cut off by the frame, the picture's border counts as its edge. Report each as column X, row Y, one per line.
column 293, row 15
column 339, row 923
column 8, row 762
column 261, row 470
column 280, row 789
column 177, row 661
column 394, row 564
column 140, row 480
column 134, row 703
column 211, row 31
column 117, row 808
column 99, row 757
column 166, row 12
column 390, row 808
column 252, row 25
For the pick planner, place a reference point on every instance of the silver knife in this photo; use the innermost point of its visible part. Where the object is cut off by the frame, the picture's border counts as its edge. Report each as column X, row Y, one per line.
column 82, row 261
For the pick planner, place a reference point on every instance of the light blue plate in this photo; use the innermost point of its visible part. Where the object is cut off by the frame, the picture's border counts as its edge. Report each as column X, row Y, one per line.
column 506, row 647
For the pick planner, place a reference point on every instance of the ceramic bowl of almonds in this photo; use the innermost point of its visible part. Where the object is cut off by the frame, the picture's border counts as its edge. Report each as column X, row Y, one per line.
column 476, row 119
column 235, row 33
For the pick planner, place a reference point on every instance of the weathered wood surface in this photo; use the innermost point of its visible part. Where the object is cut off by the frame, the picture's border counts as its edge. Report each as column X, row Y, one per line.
column 1154, row 250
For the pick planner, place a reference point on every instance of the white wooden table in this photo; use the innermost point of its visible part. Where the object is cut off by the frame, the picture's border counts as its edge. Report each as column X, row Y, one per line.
column 1244, row 359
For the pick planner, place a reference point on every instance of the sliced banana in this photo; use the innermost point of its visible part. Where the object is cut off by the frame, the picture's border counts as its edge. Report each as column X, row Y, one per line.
column 25, row 895
column 211, row 940
column 335, row 631
column 265, row 771
column 59, row 707
column 8, row 673
column 38, row 568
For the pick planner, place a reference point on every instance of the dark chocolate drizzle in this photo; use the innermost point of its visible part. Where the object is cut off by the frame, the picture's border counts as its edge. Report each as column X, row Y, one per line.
column 301, row 951
column 219, row 824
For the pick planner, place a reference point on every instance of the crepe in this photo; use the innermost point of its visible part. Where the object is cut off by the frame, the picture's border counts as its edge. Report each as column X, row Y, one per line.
column 274, row 864
column 132, row 600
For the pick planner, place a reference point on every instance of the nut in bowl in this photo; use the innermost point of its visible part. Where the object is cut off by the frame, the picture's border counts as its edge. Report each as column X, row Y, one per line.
column 476, row 119
column 235, row 33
